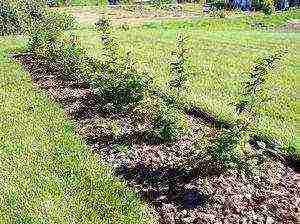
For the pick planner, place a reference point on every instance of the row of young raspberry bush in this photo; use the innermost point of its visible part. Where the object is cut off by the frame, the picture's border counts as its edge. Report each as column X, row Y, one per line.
column 122, row 87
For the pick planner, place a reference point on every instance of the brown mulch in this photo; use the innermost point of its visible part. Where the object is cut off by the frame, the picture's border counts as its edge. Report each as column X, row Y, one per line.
column 181, row 194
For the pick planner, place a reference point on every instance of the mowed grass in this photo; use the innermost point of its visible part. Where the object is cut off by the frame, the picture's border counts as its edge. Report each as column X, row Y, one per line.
column 220, row 61
column 47, row 174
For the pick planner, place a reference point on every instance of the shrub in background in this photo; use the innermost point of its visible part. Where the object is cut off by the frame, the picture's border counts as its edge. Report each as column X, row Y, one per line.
column 9, row 21
column 29, row 12
column 267, row 6
column 162, row 3
column 50, row 43
column 18, row 16
column 55, row 3
column 46, row 35
column 219, row 14
column 217, row 4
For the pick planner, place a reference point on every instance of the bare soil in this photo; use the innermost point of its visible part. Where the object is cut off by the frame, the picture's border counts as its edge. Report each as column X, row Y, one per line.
column 180, row 193
column 136, row 17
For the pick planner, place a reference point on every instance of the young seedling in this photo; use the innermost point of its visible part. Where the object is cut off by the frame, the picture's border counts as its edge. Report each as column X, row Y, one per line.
column 252, row 87
column 118, row 82
column 179, row 69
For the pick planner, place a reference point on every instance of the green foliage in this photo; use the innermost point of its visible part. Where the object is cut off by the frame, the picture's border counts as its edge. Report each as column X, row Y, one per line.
column 48, row 41
column 227, row 145
column 179, row 69
column 217, row 4
column 121, row 148
column 243, row 23
column 52, row 3
column 219, row 14
column 18, row 16
column 116, row 79
column 29, row 12
column 258, row 4
column 162, row 3
column 145, row 110
column 169, row 122
column 74, row 58
column 251, row 96
column 267, row 6
column 9, row 21
column 104, row 25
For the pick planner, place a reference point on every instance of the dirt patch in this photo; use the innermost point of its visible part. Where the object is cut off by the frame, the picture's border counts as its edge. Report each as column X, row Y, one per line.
column 122, row 16
column 181, row 192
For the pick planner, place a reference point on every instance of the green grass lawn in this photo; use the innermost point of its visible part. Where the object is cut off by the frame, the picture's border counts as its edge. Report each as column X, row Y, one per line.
column 220, row 61
column 47, row 175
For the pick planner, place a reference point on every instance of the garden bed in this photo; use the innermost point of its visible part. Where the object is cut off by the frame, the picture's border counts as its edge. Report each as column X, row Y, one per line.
column 161, row 173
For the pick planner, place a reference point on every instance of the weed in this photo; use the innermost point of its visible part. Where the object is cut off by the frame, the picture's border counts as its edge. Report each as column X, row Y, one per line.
column 121, row 148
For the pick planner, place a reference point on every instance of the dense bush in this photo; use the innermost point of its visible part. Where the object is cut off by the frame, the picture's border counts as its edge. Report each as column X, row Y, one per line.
column 217, row 4
column 9, row 21
column 49, row 42
column 29, row 12
column 18, row 16
column 116, row 78
column 267, row 6
column 46, row 35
